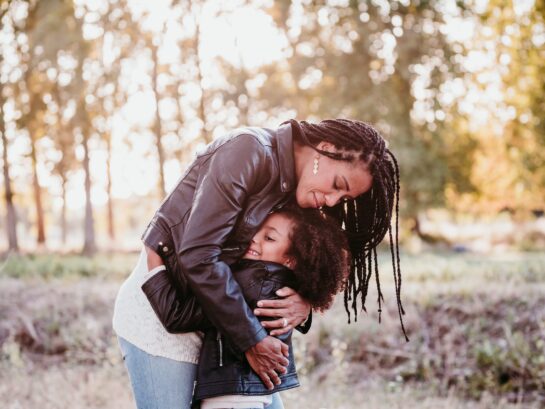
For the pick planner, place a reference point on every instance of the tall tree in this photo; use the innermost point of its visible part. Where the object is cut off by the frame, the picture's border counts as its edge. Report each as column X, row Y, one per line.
column 157, row 124
column 89, row 243
column 520, row 60
column 34, row 86
column 11, row 217
column 64, row 143
column 114, row 46
column 359, row 61
column 206, row 134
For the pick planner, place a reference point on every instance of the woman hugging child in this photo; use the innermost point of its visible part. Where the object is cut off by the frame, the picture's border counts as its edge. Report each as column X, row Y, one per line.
column 297, row 248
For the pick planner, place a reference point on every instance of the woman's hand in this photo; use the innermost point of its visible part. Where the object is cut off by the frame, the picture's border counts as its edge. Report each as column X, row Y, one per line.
column 291, row 310
column 268, row 358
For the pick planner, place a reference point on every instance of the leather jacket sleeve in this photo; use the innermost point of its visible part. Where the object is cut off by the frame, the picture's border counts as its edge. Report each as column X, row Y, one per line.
column 181, row 313
column 177, row 312
column 235, row 170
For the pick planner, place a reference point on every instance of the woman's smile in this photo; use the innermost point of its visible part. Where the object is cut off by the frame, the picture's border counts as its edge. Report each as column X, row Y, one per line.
column 318, row 205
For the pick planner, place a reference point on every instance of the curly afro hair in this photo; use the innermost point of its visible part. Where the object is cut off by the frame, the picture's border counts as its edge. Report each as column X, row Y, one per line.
column 321, row 254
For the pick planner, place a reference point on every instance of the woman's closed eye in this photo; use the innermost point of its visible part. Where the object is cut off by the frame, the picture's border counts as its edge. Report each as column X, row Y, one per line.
column 338, row 187
column 269, row 238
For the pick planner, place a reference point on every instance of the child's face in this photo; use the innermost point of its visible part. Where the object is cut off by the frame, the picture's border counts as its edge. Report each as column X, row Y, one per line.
column 272, row 242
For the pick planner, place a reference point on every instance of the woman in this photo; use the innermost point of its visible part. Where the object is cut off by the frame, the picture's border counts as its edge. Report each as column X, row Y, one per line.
column 207, row 222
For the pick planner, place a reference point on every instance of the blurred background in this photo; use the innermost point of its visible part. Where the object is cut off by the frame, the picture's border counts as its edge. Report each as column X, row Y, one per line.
column 103, row 104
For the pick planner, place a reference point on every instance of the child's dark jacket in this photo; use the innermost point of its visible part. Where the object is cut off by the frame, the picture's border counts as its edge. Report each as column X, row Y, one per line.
column 223, row 368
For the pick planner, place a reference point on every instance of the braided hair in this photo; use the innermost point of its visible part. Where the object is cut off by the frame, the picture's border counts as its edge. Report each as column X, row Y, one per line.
column 320, row 250
column 367, row 218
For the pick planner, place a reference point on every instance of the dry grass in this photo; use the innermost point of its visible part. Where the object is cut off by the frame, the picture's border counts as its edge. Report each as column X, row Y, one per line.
column 476, row 326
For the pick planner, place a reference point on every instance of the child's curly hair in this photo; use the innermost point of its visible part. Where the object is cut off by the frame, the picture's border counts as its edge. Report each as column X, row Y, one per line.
column 321, row 254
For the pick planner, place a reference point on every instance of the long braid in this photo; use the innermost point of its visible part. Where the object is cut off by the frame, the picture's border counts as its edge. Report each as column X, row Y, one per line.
column 398, row 287
column 367, row 218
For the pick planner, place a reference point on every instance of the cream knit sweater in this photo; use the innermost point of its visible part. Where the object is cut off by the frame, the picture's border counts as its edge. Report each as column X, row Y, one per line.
column 135, row 321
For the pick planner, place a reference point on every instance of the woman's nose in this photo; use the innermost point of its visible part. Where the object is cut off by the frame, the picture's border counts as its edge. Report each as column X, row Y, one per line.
column 332, row 199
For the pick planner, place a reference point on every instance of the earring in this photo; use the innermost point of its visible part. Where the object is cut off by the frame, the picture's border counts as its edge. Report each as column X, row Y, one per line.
column 315, row 167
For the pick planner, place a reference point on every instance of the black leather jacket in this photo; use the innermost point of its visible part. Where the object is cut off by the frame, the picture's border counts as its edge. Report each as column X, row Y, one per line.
column 207, row 221
column 223, row 368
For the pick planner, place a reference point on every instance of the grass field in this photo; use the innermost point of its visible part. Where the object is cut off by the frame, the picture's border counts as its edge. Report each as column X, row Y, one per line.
column 476, row 324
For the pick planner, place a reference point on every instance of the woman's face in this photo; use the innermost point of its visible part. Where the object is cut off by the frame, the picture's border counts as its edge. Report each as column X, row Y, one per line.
column 334, row 181
column 272, row 241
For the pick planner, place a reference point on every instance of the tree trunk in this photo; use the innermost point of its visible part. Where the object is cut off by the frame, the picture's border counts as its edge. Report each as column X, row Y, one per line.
column 11, row 218
column 111, row 227
column 157, row 125
column 63, row 210
column 243, row 108
column 202, row 111
column 37, row 193
column 89, row 245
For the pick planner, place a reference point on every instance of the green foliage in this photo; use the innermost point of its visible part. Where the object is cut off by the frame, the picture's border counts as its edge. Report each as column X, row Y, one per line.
column 56, row 266
column 522, row 45
column 508, row 365
column 359, row 80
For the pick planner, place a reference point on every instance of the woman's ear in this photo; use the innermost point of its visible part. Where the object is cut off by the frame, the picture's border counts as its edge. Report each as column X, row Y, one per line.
column 289, row 263
column 326, row 146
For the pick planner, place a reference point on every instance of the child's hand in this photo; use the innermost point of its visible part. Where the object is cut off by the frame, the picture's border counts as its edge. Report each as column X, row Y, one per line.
column 291, row 310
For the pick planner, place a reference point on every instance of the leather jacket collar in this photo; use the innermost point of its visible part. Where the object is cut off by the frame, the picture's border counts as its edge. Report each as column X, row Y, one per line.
column 286, row 160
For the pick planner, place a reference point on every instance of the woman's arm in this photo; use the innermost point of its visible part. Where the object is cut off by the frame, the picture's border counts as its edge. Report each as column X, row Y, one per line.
column 178, row 312
column 233, row 172
column 236, row 170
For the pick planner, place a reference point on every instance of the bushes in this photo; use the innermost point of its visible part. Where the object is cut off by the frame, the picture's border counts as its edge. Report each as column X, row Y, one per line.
column 56, row 266
column 477, row 344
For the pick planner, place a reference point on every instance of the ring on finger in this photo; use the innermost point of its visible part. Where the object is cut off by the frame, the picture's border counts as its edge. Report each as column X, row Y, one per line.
column 284, row 322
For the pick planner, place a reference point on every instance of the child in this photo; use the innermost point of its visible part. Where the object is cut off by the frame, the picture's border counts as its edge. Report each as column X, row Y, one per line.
column 296, row 248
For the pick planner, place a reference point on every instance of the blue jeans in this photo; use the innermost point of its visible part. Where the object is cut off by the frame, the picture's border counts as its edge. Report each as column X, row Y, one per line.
column 163, row 383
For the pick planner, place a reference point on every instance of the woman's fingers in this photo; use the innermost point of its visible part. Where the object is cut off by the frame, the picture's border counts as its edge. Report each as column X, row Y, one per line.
column 289, row 311
column 274, row 377
column 266, row 380
column 279, row 323
column 267, row 358
column 271, row 312
column 281, row 303
column 277, row 326
column 281, row 331
column 285, row 350
column 285, row 291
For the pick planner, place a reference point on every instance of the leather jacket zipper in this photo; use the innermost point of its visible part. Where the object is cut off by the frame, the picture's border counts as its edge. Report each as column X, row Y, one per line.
column 230, row 248
column 220, row 349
